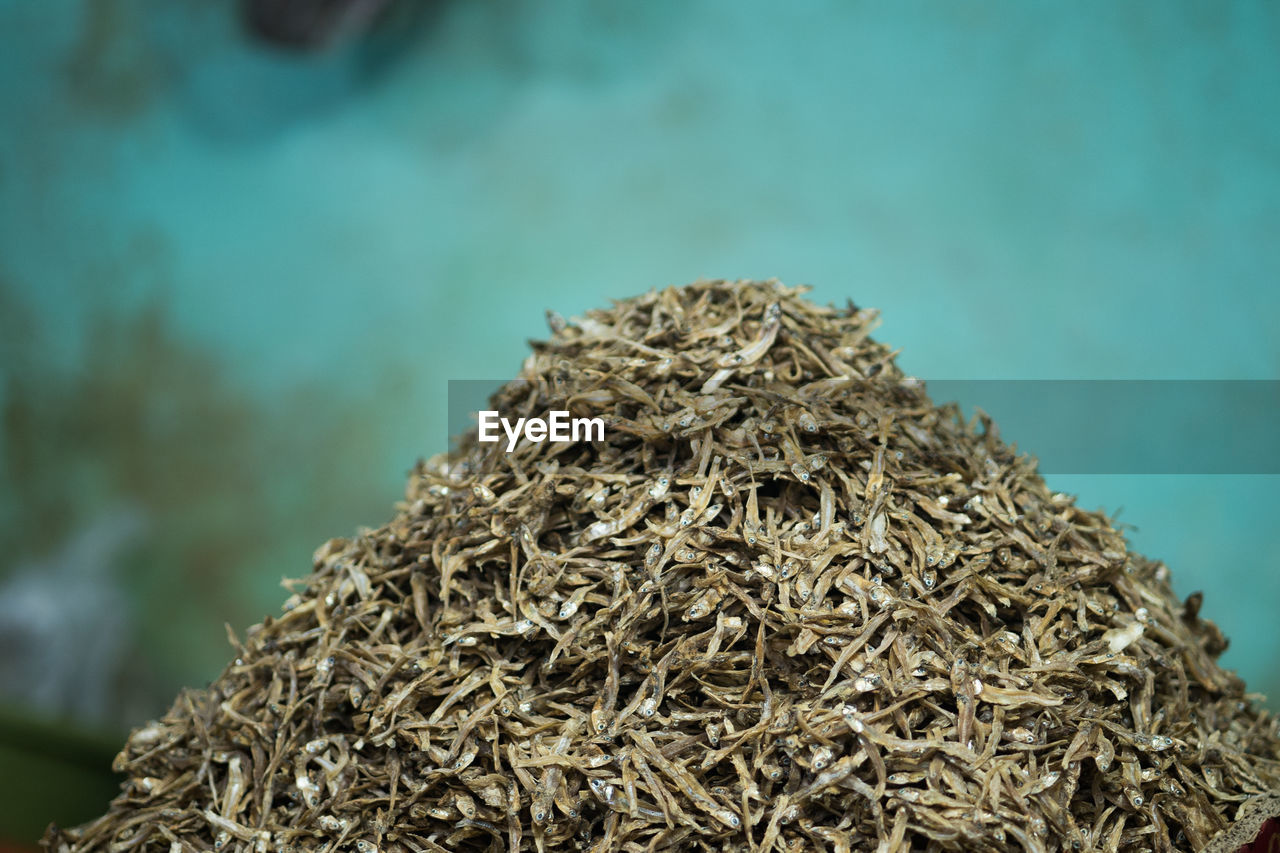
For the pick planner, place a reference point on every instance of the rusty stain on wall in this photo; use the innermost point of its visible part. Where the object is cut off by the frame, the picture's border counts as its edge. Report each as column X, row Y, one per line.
column 237, row 489
column 114, row 69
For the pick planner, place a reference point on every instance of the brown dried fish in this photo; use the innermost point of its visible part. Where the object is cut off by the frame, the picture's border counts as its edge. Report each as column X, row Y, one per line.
column 786, row 603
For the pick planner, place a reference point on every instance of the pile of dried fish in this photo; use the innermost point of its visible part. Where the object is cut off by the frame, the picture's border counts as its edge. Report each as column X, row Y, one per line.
column 787, row 603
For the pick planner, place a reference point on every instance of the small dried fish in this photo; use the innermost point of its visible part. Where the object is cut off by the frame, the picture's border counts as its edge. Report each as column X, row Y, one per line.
column 787, row 603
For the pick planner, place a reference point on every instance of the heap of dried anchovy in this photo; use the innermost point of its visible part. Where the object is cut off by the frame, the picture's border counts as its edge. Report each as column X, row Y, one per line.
column 788, row 603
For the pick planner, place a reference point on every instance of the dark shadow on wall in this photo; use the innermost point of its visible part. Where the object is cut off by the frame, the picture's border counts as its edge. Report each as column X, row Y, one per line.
column 466, row 65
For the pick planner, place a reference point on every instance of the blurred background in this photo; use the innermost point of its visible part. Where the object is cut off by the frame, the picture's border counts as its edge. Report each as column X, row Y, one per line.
column 244, row 246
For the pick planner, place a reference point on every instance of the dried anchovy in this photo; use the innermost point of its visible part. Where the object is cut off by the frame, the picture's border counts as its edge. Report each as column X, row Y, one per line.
column 787, row 603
